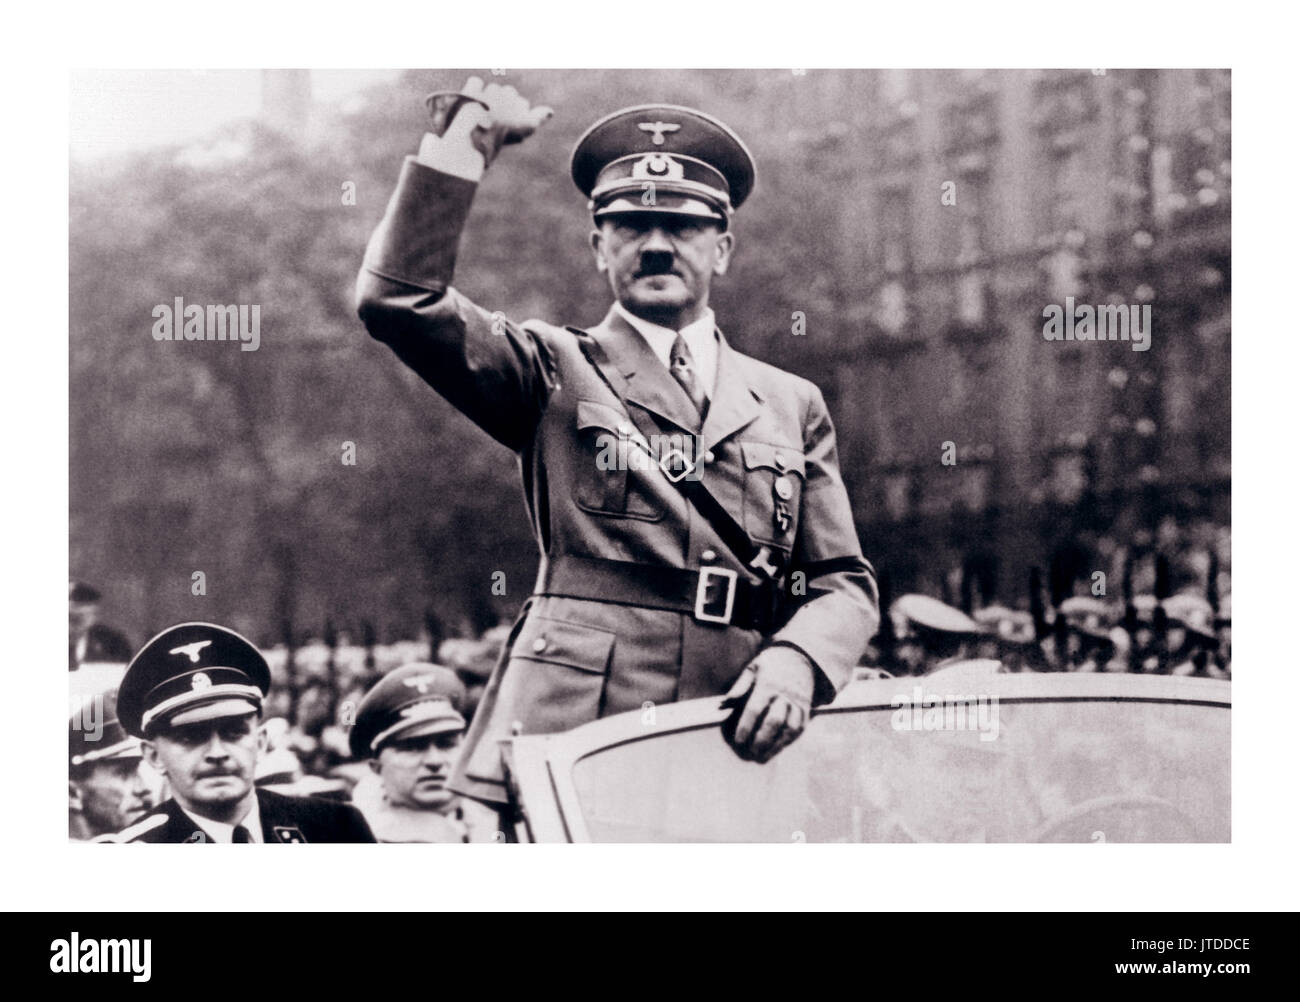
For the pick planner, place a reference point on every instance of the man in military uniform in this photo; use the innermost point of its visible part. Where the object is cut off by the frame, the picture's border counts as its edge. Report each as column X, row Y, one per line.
column 943, row 635
column 1192, row 637
column 193, row 695
column 1011, row 639
column 105, row 789
column 90, row 641
column 726, row 565
column 409, row 727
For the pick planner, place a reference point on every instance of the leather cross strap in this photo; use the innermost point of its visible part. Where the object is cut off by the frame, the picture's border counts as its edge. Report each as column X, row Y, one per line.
column 752, row 555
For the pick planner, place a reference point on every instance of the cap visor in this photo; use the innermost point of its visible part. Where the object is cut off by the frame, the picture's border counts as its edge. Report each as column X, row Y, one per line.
column 421, row 728
column 127, row 749
column 664, row 204
column 234, row 706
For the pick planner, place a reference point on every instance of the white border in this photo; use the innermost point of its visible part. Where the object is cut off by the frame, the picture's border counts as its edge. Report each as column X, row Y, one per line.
column 43, row 872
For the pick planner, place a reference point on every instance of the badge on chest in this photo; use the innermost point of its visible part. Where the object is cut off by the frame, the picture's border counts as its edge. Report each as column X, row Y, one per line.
column 782, row 492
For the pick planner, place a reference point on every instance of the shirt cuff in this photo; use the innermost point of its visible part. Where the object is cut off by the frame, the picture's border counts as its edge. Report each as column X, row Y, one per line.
column 457, row 159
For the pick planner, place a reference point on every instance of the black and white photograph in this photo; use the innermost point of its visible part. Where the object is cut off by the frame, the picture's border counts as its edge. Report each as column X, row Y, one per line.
column 826, row 455
column 642, row 461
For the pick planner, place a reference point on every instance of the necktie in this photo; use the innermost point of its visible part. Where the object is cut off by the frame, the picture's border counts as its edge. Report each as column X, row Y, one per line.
column 682, row 366
column 241, row 835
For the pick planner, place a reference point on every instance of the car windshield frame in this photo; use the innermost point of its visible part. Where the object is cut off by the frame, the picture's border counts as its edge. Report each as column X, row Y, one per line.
column 540, row 768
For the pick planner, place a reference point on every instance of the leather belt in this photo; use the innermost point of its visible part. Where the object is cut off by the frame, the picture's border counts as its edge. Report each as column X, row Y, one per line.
column 714, row 595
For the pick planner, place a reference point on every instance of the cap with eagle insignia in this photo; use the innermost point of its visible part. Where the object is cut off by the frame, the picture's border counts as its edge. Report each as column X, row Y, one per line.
column 188, row 673
column 663, row 158
column 410, row 701
column 88, row 743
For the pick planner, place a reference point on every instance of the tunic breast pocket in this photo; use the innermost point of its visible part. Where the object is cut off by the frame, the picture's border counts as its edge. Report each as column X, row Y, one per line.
column 608, row 480
column 774, row 479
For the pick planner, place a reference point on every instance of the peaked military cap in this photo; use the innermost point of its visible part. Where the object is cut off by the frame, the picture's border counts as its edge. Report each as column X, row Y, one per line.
column 191, row 672
column 696, row 165
column 1012, row 626
column 408, row 702
column 921, row 612
column 1193, row 613
column 1088, row 615
column 95, row 734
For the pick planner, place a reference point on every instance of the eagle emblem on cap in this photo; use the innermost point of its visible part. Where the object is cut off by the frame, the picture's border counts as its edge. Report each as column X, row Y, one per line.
column 191, row 651
column 421, row 682
column 200, row 681
column 426, row 710
column 657, row 130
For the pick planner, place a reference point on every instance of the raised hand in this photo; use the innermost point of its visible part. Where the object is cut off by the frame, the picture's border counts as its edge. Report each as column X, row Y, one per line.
column 486, row 117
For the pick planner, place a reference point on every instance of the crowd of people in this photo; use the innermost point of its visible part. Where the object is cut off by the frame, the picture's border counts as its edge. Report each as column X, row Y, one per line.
column 1184, row 634
column 378, row 726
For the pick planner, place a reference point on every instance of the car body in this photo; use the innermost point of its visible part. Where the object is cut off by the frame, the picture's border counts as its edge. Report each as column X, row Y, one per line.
column 966, row 754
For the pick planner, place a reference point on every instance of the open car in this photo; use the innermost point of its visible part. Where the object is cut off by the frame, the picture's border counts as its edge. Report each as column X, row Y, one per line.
column 949, row 757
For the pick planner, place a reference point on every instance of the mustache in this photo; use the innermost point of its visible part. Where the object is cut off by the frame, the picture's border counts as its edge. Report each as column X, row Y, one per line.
column 656, row 263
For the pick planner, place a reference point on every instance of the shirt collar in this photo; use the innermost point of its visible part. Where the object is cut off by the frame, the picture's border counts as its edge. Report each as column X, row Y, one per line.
column 226, row 833
column 698, row 334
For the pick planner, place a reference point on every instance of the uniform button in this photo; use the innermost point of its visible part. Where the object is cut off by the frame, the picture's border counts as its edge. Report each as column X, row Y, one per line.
column 708, row 555
column 708, row 456
column 539, row 645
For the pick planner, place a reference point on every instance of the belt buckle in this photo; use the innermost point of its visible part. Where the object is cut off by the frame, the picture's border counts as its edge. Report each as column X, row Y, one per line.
column 702, row 595
column 686, row 462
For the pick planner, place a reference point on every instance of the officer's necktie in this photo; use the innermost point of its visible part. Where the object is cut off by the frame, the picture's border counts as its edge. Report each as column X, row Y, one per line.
column 241, row 835
column 682, row 366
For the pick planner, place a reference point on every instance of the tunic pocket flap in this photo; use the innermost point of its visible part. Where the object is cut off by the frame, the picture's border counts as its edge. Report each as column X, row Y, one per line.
column 558, row 642
column 780, row 458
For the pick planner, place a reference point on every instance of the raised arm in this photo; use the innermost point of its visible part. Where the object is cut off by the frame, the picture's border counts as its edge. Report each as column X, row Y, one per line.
column 494, row 371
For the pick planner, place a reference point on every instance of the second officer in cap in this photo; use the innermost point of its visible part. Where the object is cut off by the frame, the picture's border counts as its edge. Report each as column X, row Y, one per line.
column 409, row 727
column 696, row 535
column 193, row 695
column 106, row 790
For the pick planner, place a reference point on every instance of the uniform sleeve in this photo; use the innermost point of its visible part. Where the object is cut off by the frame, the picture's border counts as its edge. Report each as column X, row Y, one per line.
column 494, row 371
column 840, row 608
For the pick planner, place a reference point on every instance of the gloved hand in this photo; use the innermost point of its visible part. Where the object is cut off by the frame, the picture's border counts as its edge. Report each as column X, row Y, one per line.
column 485, row 117
column 773, row 699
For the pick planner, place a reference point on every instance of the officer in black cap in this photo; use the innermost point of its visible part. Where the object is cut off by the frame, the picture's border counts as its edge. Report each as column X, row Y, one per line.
column 409, row 726
column 106, row 791
column 193, row 695
column 720, row 559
